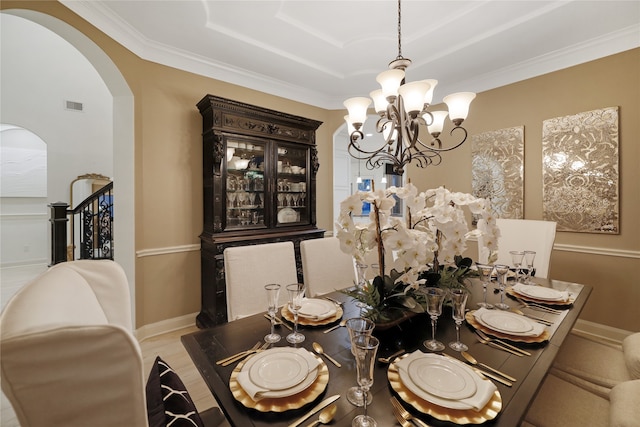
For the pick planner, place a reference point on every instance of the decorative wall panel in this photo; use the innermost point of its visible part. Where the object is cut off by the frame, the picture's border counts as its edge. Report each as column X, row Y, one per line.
column 497, row 159
column 580, row 171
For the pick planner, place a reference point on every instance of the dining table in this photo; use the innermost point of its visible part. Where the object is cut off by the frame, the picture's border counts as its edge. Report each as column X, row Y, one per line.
column 207, row 346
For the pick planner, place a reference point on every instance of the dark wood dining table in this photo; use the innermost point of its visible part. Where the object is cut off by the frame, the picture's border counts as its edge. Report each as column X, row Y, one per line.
column 209, row 345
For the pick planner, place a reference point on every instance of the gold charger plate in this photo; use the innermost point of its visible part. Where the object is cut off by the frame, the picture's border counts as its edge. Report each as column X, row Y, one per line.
column 458, row 416
column 287, row 315
column 282, row 404
column 566, row 303
column 473, row 322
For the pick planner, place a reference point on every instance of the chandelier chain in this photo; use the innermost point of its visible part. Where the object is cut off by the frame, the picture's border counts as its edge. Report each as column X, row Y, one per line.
column 399, row 31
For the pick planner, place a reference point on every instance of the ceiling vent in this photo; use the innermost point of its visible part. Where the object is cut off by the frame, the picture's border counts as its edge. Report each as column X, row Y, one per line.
column 73, row 106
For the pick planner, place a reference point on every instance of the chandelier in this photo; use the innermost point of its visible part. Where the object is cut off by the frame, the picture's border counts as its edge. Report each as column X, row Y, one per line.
column 403, row 108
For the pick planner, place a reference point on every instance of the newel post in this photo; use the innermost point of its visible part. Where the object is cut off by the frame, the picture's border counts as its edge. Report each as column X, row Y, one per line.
column 58, row 220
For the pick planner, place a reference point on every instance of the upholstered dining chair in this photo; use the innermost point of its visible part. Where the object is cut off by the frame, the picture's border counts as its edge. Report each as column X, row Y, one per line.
column 248, row 268
column 69, row 357
column 523, row 235
column 325, row 267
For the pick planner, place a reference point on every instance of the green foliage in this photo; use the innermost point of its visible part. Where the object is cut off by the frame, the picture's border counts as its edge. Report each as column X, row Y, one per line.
column 385, row 298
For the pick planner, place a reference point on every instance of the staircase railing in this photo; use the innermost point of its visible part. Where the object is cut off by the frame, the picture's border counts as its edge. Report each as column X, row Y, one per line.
column 91, row 228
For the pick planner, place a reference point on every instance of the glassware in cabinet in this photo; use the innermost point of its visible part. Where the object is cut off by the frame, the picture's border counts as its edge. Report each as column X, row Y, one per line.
column 291, row 184
column 245, row 185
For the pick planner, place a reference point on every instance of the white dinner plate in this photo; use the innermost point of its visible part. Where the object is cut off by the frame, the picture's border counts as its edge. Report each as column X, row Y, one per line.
column 409, row 382
column 287, row 215
column 506, row 322
column 278, row 371
column 541, row 293
column 442, row 377
column 311, row 376
column 316, row 308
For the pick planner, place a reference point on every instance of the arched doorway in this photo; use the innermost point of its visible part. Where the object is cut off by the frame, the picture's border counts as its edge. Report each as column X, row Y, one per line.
column 122, row 130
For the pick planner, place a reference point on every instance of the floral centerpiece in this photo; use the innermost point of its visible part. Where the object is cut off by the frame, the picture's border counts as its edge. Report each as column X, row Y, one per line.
column 427, row 244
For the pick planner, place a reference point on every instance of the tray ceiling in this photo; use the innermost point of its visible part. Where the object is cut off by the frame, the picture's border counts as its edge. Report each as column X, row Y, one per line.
column 322, row 52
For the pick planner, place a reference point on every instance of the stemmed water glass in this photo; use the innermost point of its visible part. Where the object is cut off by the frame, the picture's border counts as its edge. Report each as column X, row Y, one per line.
column 435, row 297
column 501, row 271
column 529, row 256
column 273, row 292
column 361, row 269
column 366, row 348
column 358, row 326
column 516, row 259
column 459, row 300
column 296, row 294
column 485, row 276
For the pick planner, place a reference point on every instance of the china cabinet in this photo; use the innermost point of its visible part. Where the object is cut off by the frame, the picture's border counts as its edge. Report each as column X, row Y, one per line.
column 259, row 178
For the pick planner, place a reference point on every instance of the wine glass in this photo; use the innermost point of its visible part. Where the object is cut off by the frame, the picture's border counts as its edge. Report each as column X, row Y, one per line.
column 273, row 292
column 296, row 294
column 435, row 297
column 501, row 271
column 529, row 256
column 459, row 300
column 366, row 348
column 516, row 259
column 485, row 276
column 358, row 326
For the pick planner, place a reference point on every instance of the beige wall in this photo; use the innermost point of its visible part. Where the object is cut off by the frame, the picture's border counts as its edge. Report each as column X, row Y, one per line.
column 607, row 82
column 168, row 159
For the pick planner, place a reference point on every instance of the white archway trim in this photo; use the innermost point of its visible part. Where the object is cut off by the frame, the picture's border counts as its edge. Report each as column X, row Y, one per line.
column 123, row 135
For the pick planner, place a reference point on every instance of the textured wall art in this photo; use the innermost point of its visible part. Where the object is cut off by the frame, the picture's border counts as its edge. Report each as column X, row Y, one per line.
column 497, row 161
column 580, row 171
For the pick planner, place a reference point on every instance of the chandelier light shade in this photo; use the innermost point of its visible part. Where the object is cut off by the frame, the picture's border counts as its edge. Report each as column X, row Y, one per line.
column 403, row 108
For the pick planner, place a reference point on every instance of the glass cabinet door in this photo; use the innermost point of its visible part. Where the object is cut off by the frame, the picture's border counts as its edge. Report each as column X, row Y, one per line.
column 291, row 185
column 245, row 184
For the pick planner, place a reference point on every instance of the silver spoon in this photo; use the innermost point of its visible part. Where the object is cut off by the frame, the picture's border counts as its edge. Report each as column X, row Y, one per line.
column 318, row 349
column 325, row 416
column 342, row 324
column 473, row 361
column 390, row 358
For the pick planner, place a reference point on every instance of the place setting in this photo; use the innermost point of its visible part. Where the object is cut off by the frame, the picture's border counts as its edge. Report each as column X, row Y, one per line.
column 441, row 385
column 444, row 387
column 541, row 295
column 312, row 312
column 281, row 378
column 507, row 325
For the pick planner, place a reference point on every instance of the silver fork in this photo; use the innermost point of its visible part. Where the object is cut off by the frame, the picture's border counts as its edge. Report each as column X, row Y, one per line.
column 400, row 410
column 539, row 307
column 402, row 421
column 502, row 343
column 263, row 347
column 255, row 347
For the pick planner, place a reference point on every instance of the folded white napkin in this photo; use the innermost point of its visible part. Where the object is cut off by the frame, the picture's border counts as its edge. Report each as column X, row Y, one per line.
column 310, row 307
column 522, row 290
column 255, row 392
column 537, row 330
column 477, row 401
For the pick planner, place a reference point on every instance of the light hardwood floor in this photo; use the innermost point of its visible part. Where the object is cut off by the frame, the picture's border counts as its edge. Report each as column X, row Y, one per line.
column 171, row 350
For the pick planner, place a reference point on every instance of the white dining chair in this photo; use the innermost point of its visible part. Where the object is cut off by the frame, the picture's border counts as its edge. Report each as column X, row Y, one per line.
column 247, row 269
column 325, row 267
column 523, row 235
column 70, row 357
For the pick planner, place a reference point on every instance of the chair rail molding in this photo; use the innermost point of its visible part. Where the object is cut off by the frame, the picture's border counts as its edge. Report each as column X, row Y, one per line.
column 168, row 250
column 623, row 253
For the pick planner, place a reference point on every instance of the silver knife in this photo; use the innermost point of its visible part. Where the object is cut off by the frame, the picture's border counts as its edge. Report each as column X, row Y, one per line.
column 493, row 377
column 328, row 401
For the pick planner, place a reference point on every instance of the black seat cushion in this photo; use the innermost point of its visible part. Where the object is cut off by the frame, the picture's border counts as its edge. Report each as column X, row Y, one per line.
column 168, row 402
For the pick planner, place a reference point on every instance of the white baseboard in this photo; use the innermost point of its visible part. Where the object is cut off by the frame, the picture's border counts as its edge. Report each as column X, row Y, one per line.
column 165, row 326
column 601, row 331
